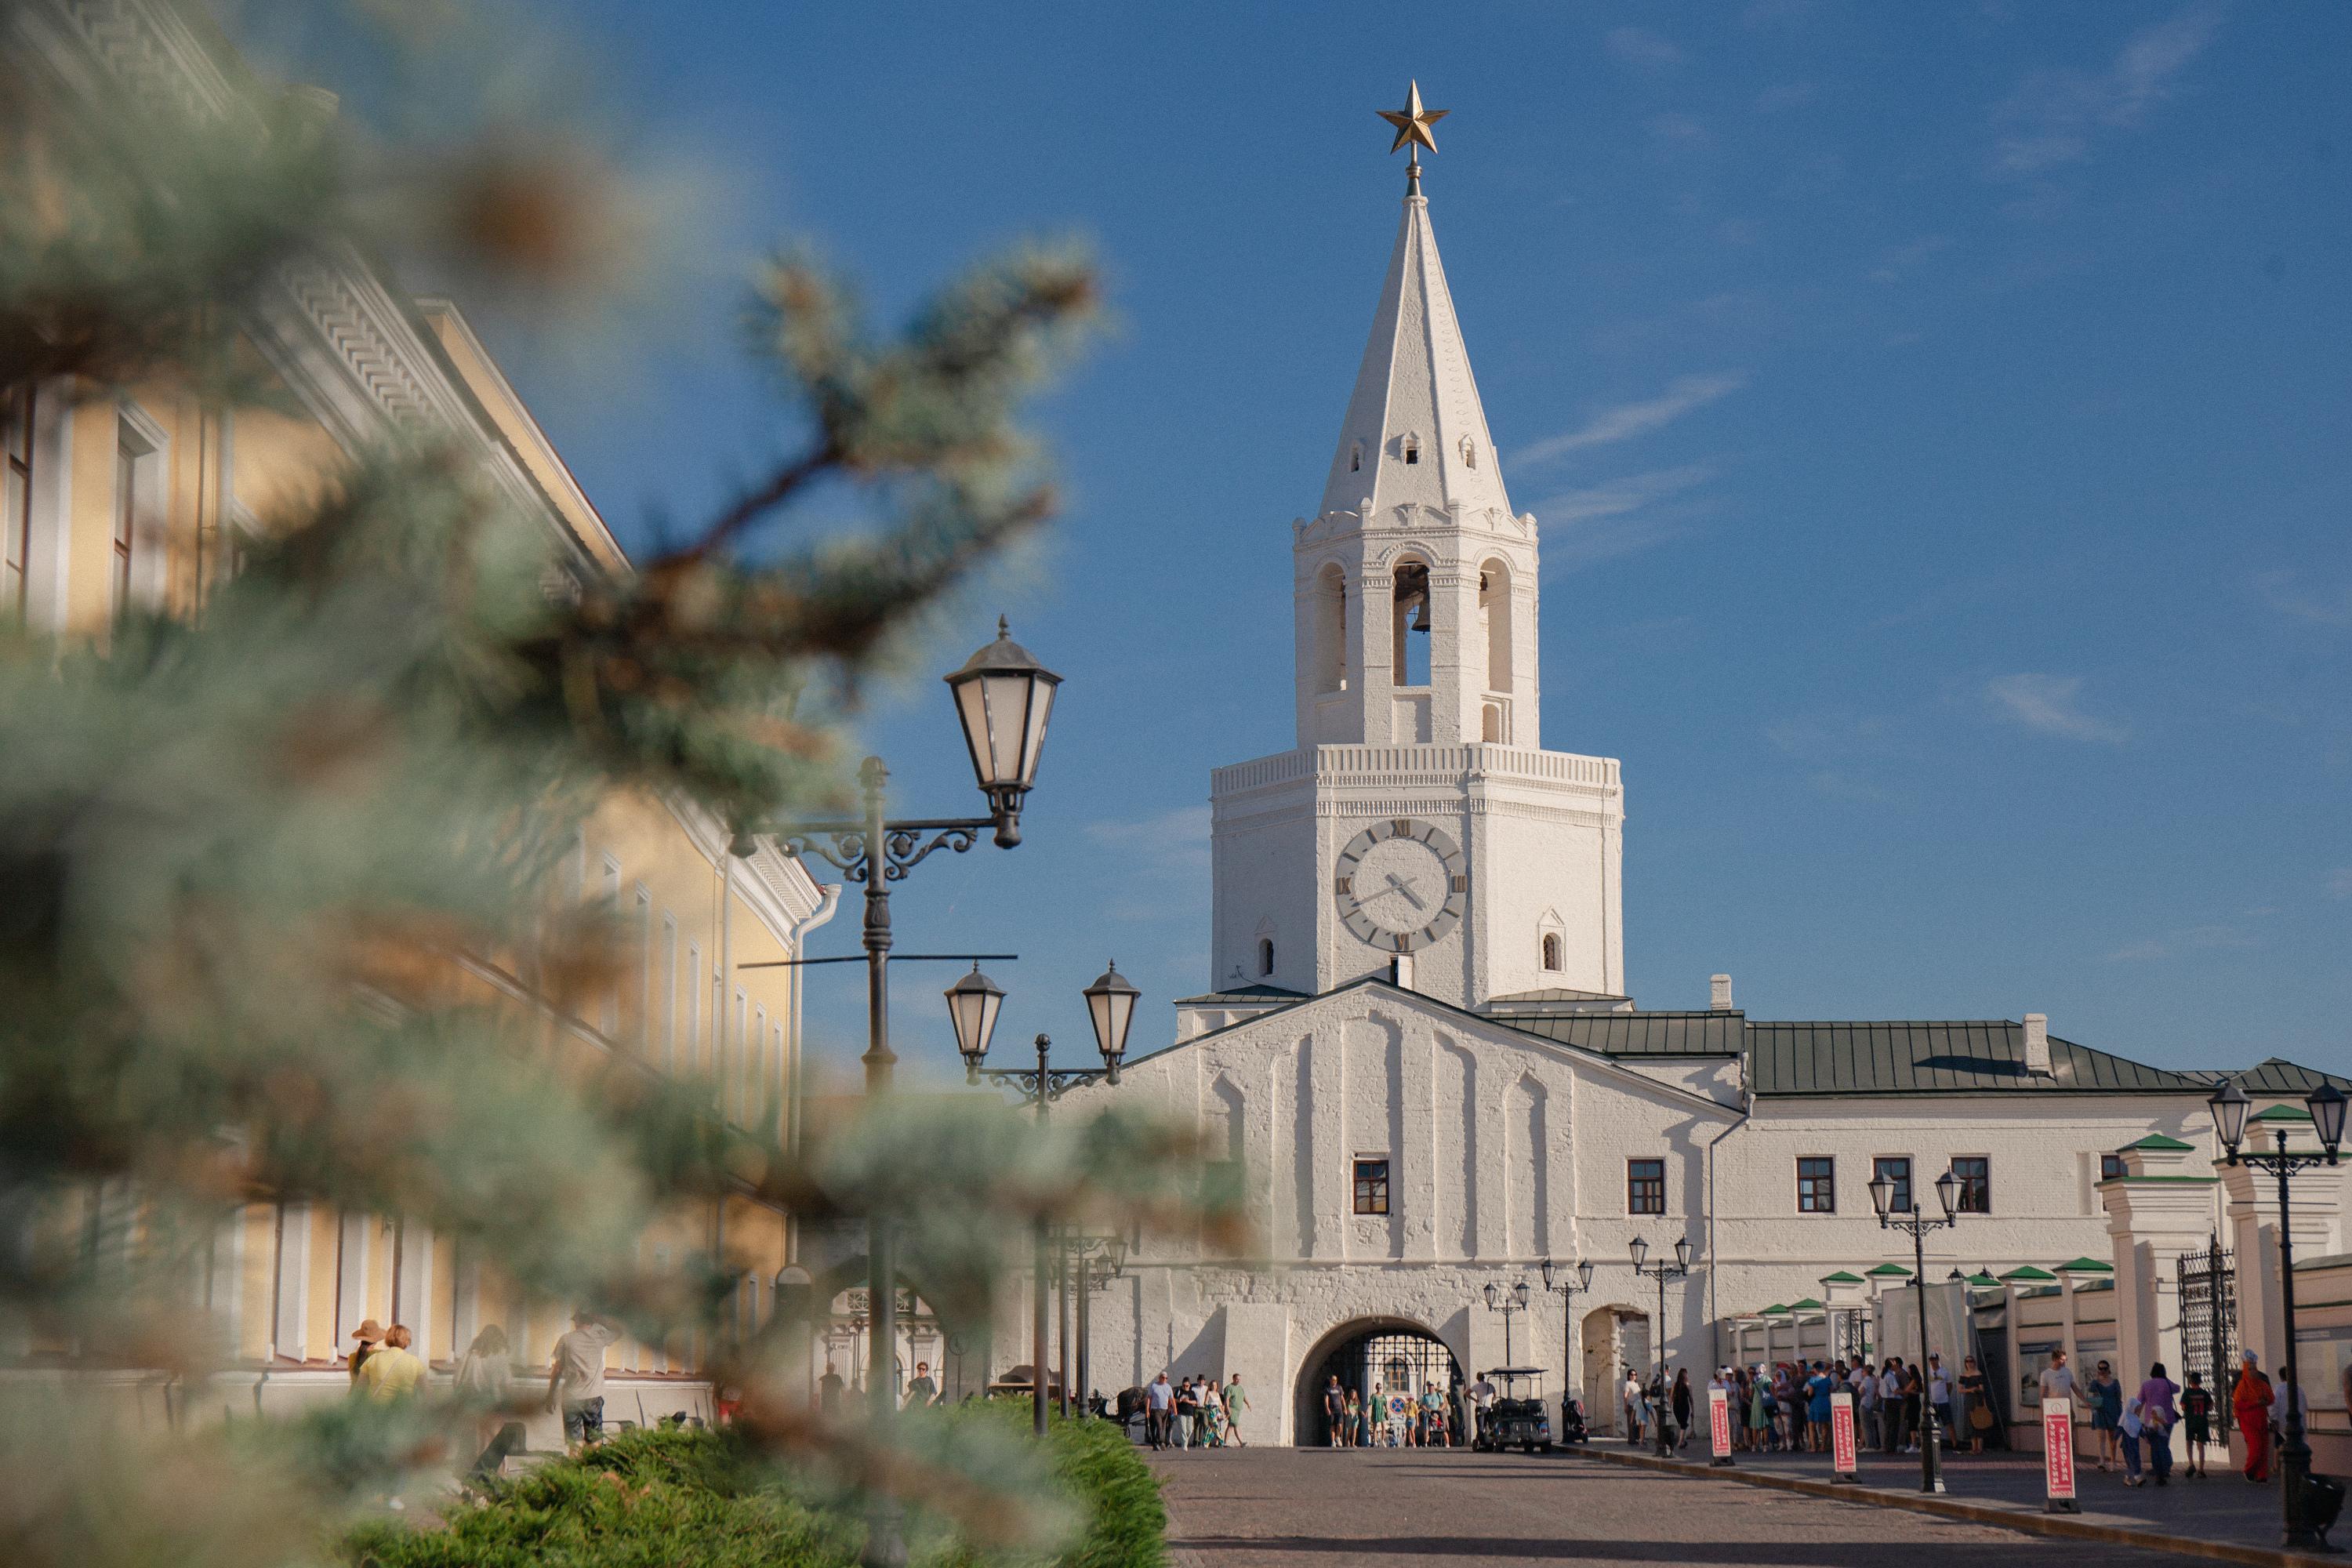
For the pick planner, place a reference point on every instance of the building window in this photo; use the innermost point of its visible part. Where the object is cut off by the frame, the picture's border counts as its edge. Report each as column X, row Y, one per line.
column 1371, row 1186
column 1551, row 951
column 1412, row 449
column 1355, row 456
column 16, row 496
column 1266, row 956
column 1469, row 453
column 1816, row 1185
column 1895, row 1170
column 1975, row 1171
column 2111, row 1166
column 1645, row 1186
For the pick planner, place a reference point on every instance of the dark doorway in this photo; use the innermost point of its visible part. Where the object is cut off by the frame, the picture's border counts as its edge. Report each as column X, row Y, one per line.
column 1386, row 1354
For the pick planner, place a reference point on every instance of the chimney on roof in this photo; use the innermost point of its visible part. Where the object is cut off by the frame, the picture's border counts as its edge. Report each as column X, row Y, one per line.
column 2037, row 1044
column 1718, row 993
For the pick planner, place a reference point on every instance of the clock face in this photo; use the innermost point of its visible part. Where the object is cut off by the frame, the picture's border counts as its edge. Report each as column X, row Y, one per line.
column 1401, row 885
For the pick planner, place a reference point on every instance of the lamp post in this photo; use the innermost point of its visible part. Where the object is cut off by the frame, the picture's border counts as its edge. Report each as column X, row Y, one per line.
column 1568, row 1283
column 1110, row 1008
column 2325, row 1104
column 1661, row 1271
column 1916, row 1226
column 1508, row 1302
column 1113, row 1250
column 1003, row 699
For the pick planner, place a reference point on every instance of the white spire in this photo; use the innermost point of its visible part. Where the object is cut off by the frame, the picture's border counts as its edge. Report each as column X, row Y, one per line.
column 1414, row 395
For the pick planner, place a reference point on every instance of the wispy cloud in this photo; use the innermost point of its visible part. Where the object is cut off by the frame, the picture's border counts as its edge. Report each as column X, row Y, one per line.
column 2054, row 115
column 2291, row 598
column 1627, row 420
column 2052, row 704
column 1640, row 47
column 1783, row 95
column 1167, row 857
column 1903, row 258
column 1623, row 517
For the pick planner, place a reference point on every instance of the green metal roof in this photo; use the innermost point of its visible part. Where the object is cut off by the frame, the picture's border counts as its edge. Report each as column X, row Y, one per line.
column 1840, row 1277
column 1775, row 1311
column 2281, row 1113
column 2158, row 1141
column 1913, row 1058
column 2027, row 1272
column 1891, row 1270
column 1981, row 1277
column 1807, row 1305
column 2086, row 1266
column 2279, row 1076
column 1709, row 1034
column 1241, row 995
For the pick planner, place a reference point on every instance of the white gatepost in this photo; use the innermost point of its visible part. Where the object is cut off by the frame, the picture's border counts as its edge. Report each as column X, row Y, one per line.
column 2253, row 1215
column 2157, row 1211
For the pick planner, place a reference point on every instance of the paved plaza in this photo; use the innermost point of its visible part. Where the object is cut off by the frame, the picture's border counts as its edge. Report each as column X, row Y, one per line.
column 1294, row 1507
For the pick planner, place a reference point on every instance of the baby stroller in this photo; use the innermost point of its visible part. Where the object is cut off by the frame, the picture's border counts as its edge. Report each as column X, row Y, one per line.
column 1571, row 1420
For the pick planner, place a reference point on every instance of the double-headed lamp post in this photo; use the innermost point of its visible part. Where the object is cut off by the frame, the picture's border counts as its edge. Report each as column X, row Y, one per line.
column 1091, row 1279
column 1661, row 1271
column 2325, row 1104
column 1916, row 1226
column 1568, row 1284
column 1506, row 1302
column 1003, row 699
column 973, row 1004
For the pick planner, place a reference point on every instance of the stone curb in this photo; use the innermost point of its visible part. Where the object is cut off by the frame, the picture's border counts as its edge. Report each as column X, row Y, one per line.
column 2008, row 1515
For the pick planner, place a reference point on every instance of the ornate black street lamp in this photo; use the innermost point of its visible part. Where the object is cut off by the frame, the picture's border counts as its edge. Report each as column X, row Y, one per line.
column 1568, row 1284
column 1661, row 1271
column 1003, row 698
column 1916, row 1226
column 2325, row 1104
column 1093, row 1277
column 1110, row 1008
column 1508, row 1302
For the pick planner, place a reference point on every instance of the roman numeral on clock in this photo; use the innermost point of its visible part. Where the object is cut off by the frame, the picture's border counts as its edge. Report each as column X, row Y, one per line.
column 1343, row 886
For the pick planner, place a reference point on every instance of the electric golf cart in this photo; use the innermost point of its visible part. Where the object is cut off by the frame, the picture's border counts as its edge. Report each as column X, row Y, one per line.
column 1516, row 1418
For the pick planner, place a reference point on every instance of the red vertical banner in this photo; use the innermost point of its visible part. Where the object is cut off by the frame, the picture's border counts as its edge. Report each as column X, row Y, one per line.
column 1719, row 1423
column 2058, row 1453
column 1843, row 1458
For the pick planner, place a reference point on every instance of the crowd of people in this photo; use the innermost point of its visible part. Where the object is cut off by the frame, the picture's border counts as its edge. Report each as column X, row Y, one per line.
column 1197, row 1412
column 1397, row 1416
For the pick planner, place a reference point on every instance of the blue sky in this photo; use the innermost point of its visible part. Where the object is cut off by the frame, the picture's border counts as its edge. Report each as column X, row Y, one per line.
column 1937, row 419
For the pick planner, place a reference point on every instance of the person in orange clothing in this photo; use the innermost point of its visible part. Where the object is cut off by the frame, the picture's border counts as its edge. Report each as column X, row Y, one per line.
column 2249, row 1401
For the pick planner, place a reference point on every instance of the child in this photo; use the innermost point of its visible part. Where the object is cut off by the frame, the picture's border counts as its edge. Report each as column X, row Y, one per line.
column 2196, row 1421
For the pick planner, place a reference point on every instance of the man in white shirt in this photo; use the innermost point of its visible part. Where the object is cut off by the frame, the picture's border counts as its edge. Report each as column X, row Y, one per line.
column 1482, row 1396
column 1890, row 1406
column 1940, row 1395
column 575, row 1379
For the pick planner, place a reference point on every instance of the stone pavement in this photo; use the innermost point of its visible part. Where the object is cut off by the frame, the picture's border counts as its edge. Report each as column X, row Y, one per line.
column 2224, row 1508
column 1313, row 1507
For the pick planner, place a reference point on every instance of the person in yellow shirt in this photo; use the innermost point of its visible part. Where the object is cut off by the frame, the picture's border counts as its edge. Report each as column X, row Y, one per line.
column 393, row 1372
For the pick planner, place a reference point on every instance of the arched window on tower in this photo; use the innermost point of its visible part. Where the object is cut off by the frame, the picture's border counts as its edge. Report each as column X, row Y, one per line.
column 1332, row 629
column 1412, row 450
column 1411, row 621
column 1551, row 952
column 1265, row 956
column 1469, row 453
column 1355, row 456
column 1490, row 723
column 1495, row 618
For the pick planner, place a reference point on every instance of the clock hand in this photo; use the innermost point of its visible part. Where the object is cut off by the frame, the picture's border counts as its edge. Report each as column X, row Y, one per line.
column 1397, row 886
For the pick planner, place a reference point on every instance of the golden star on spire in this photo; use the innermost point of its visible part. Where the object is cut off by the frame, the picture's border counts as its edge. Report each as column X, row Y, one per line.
column 1413, row 122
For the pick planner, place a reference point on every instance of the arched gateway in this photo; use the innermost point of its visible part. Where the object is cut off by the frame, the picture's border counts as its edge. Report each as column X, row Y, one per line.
column 1362, row 1353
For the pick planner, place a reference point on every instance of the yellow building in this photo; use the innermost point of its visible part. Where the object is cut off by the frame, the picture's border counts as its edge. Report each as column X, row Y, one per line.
column 149, row 497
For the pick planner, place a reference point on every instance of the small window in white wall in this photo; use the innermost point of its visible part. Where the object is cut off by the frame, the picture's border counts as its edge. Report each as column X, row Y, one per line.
column 1265, row 955
column 1551, row 951
column 1412, row 449
column 1355, row 456
column 1469, row 453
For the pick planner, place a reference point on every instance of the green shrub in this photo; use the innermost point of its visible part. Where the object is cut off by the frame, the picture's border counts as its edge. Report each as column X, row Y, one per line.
column 668, row 1499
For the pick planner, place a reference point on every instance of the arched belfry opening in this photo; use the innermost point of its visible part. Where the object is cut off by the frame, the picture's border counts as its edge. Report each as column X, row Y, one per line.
column 1412, row 622
column 1494, row 620
column 1332, row 629
column 1366, row 1355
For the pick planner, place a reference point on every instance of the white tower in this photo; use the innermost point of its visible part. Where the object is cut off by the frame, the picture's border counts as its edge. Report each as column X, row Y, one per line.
column 1419, row 815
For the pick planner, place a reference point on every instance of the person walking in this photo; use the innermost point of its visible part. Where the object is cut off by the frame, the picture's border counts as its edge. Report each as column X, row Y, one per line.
column 1680, row 1402
column 1866, row 1406
column 921, row 1391
column 1629, row 1398
column 2249, row 1402
column 1188, row 1406
column 366, row 1340
column 2157, row 1415
column 1159, row 1407
column 2106, row 1396
column 1432, row 1417
column 1760, row 1411
column 1351, row 1422
column 2127, row 1428
column 484, row 1384
column 2197, row 1424
column 575, row 1379
column 1915, row 1404
column 1890, row 1406
column 1235, row 1403
column 1939, row 1399
column 1817, row 1410
column 392, row 1372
